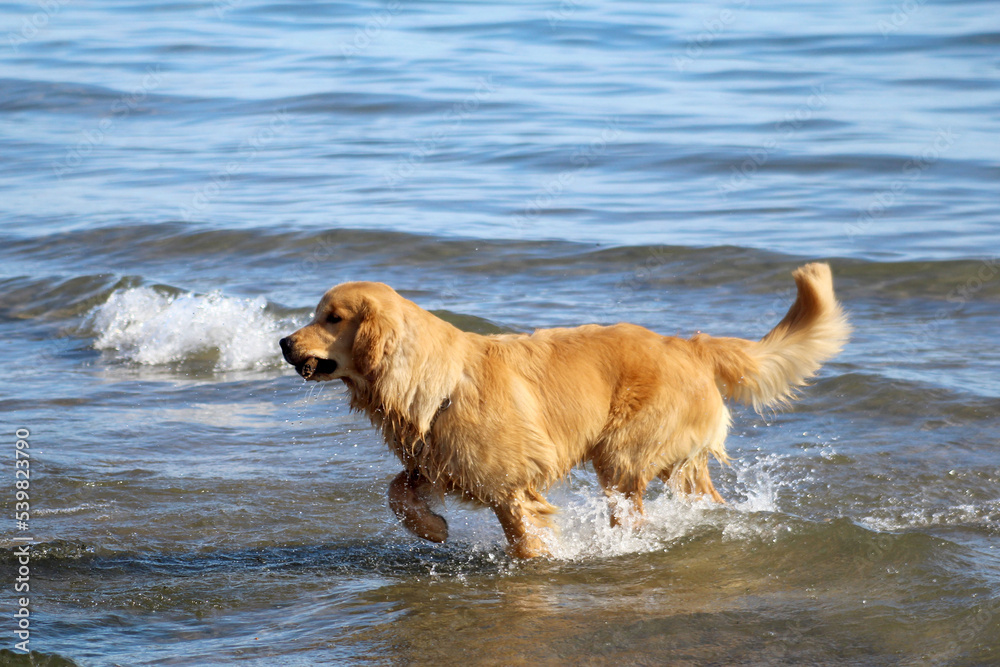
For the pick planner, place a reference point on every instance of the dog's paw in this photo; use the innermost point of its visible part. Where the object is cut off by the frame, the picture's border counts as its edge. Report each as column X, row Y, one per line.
column 431, row 527
column 408, row 499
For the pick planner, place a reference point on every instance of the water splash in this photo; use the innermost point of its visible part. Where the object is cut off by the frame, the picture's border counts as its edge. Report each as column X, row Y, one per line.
column 983, row 515
column 151, row 328
column 584, row 520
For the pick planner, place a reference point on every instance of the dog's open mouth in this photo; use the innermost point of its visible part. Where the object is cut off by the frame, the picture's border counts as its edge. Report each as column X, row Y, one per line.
column 316, row 366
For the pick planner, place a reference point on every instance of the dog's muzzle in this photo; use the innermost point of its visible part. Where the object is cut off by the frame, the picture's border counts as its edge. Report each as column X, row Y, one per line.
column 309, row 366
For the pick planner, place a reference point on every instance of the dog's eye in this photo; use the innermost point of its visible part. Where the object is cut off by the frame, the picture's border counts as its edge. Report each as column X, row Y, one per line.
column 333, row 319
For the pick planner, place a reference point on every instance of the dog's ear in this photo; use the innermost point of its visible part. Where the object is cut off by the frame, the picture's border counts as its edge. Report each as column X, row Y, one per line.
column 376, row 338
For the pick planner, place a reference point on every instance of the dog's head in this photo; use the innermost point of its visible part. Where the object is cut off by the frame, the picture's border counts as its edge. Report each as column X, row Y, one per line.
column 355, row 328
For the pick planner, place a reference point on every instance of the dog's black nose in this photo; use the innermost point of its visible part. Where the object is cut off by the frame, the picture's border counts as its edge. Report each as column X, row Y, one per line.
column 285, row 343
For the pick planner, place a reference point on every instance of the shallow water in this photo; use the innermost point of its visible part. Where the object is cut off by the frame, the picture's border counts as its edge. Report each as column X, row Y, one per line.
column 179, row 182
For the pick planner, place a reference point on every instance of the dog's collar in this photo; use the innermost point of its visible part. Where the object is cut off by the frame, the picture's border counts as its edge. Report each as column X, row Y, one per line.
column 445, row 404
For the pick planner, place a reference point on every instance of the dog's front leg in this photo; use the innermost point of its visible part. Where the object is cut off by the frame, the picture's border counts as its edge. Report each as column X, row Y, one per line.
column 409, row 499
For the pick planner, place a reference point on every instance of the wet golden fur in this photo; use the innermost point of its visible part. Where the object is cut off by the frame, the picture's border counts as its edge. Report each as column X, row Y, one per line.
column 499, row 419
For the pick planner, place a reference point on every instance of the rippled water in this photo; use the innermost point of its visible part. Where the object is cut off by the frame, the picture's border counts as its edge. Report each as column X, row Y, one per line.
column 179, row 182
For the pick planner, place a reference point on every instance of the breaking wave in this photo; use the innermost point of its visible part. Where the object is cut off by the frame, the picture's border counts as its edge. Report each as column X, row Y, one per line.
column 148, row 327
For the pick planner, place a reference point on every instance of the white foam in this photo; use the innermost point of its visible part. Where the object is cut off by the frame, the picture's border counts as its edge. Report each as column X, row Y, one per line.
column 759, row 481
column 85, row 507
column 585, row 526
column 584, row 519
column 150, row 328
column 985, row 514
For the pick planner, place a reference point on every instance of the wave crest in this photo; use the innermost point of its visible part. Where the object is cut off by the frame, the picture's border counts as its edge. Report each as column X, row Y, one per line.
column 148, row 327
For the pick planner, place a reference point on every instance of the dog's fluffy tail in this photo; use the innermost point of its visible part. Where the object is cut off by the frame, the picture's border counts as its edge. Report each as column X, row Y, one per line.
column 767, row 373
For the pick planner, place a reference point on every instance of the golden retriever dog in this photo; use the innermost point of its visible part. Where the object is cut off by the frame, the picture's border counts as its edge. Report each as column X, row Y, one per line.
column 498, row 419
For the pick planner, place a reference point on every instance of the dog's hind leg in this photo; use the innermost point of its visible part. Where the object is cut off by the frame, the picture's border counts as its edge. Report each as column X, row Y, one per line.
column 409, row 499
column 691, row 478
column 703, row 485
column 630, row 512
column 524, row 518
